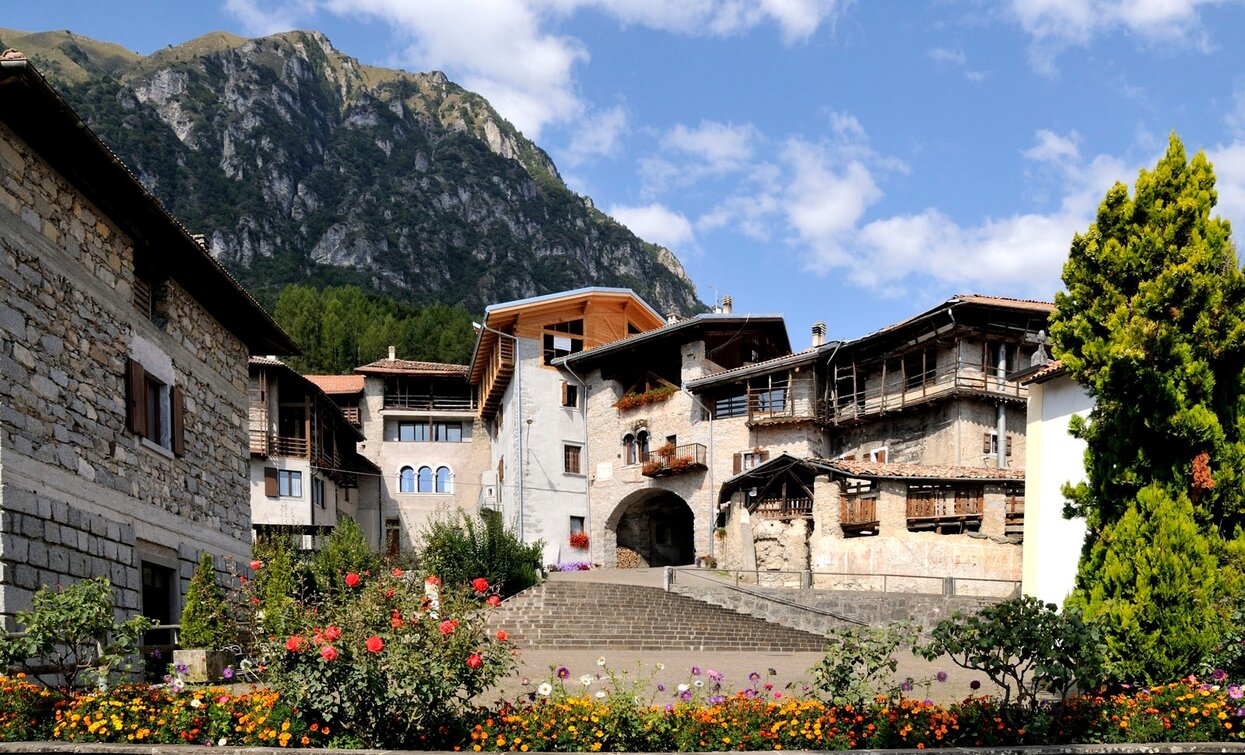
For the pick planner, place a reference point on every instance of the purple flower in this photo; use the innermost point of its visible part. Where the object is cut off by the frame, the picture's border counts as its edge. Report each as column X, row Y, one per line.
column 905, row 685
column 695, row 670
column 941, row 676
column 563, row 672
column 717, row 700
column 927, row 703
column 1240, row 713
column 181, row 668
column 754, row 677
column 1218, row 675
column 1235, row 692
column 661, row 688
column 685, row 695
column 227, row 673
column 157, row 654
column 974, row 685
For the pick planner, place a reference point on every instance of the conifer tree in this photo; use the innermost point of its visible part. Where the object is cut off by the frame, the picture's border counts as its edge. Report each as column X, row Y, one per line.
column 1151, row 325
column 206, row 619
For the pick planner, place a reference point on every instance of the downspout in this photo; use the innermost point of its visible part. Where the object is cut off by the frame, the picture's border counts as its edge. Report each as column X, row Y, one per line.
column 1000, row 429
column 583, row 412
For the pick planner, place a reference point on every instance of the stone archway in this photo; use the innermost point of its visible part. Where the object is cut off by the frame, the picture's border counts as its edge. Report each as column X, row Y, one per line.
column 653, row 527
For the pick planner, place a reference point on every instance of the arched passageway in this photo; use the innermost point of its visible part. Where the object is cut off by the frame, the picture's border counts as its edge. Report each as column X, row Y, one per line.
column 653, row 527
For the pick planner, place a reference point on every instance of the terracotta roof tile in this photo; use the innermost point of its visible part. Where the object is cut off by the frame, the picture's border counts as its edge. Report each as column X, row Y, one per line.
column 1049, row 370
column 413, row 367
column 923, row 471
column 338, row 383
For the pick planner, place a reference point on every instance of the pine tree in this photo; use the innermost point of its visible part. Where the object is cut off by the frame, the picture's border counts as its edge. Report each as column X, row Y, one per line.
column 206, row 621
column 1152, row 326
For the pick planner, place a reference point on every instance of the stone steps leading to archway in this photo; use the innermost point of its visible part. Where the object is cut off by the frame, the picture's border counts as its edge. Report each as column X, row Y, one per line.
column 582, row 614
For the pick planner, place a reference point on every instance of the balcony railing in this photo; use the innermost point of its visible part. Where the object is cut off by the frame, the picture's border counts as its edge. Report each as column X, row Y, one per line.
column 280, row 445
column 939, row 382
column 352, row 414
column 778, row 402
column 940, row 508
column 670, row 460
column 429, row 402
column 784, row 508
column 858, row 514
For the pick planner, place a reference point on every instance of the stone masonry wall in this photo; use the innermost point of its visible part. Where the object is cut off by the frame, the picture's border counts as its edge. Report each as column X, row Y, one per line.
column 78, row 491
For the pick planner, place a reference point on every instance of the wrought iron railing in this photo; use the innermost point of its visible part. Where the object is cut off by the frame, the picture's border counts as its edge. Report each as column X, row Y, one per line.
column 669, row 460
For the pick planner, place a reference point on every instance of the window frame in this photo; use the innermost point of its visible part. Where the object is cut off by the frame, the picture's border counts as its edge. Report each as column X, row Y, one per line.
column 572, row 459
column 287, row 481
column 423, row 482
column 437, row 479
column 406, row 482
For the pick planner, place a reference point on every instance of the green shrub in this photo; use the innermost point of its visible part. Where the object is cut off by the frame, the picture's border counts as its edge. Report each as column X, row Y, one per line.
column 464, row 547
column 272, row 588
column 73, row 632
column 860, row 662
column 346, row 550
column 207, row 620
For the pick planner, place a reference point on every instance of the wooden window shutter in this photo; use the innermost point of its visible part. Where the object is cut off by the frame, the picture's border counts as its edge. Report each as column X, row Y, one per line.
column 564, row 387
column 136, row 397
column 881, row 456
column 764, row 456
column 177, row 420
column 737, row 463
column 985, row 444
column 1009, row 445
column 271, row 487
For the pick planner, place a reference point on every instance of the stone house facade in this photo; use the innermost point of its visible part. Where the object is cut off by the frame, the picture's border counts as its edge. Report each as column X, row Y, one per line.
column 123, row 346
column 305, row 470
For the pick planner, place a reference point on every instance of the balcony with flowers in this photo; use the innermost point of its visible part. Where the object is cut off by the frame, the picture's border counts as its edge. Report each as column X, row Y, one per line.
column 672, row 460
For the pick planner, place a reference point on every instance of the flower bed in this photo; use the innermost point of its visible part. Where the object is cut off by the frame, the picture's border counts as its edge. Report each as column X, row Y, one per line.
column 651, row 396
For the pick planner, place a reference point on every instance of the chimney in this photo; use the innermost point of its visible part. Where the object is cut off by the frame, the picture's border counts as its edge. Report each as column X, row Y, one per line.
column 726, row 305
column 393, row 352
column 200, row 239
column 819, row 334
column 672, row 318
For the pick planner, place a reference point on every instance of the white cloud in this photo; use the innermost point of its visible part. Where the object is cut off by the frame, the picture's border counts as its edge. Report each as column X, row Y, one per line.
column 958, row 60
column 1229, row 162
column 1054, row 25
column 720, row 146
column 655, row 222
column 598, row 135
column 1053, row 148
column 281, row 16
column 797, row 20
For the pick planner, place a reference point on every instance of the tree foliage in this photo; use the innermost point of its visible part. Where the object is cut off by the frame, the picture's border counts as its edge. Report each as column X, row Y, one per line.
column 341, row 327
column 459, row 548
column 1152, row 325
column 207, row 620
column 347, row 550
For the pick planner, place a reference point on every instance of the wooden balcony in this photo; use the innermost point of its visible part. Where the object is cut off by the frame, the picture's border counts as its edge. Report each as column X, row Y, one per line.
column 1014, row 521
column 352, row 414
column 940, row 508
column 429, row 402
column 857, row 515
column 784, row 508
column 962, row 378
column 777, row 403
column 497, row 375
column 674, row 460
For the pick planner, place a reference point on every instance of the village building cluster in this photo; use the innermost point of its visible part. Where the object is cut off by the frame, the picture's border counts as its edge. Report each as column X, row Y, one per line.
column 146, row 417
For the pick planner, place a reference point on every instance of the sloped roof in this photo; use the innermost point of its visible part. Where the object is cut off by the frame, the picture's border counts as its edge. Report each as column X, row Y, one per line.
column 867, row 470
column 705, row 318
column 1051, row 369
column 412, row 367
column 310, row 385
column 806, row 356
column 338, row 384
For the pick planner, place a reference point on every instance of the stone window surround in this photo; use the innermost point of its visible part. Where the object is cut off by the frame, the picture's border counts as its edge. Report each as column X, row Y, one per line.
column 158, row 365
column 428, row 487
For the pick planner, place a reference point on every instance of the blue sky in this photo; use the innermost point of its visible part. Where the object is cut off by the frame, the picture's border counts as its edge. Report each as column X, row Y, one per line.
column 849, row 162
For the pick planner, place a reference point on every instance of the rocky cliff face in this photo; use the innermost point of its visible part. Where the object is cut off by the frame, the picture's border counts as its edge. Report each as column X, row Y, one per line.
column 301, row 164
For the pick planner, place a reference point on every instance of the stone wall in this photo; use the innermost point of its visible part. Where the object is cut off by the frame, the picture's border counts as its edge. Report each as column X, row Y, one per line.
column 73, row 478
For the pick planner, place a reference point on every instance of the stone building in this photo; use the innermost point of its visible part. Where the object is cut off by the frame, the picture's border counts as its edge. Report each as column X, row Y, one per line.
column 306, row 472
column 124, row 349
column 532, row 411
column 424, row 438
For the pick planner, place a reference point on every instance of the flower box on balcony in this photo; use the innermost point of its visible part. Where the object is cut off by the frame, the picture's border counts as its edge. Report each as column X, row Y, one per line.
column 651, row 396
column 579, row 540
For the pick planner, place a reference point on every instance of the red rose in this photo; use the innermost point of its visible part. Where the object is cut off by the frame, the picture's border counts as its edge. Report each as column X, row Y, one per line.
column 352, row 580
column 501, row 635
column 397, row 572
column 396, row 622
column 332, row 633
column 256, row 564
column 328, row 653
column 493, row 600
column 294, row 644
column 433, row 580
column 474, row 660
column 448, row 626
column 480, row 584
column 375, row 644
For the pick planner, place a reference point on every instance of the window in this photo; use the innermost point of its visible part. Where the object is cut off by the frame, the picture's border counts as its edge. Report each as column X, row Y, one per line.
column 444, row 484
column 570, row 395
column 919, row 368
column 990, row 445
column 501, row 470
column 629, row 456
column 577, row 524
column 571, row 460
column 406, row 480
column 148, row 295
column 425, row 480
column 289, row 483
column 641, row 445
column 560, row 339
column 393, row 537
column 878, row 455
column 154, row 409
column 992, row 354
column 748, row 460
column 317, row 492
column 448, row 432
column 413, row 432
column 732, row 406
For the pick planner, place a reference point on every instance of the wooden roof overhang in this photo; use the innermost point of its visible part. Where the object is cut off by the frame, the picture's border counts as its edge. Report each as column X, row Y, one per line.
column 31, row 107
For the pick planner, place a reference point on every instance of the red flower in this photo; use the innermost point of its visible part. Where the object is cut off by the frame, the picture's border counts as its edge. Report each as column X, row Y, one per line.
column 255, row 601
column 395, row 621
column 433, row 580
column 375, row 644
column 294, row 644
column 328, row 653
column 397, row 572
column 493, row 600
column 256, row 564
column 352, row 579
column 501, row 635
column 448, row 626
column 389, row 593
column 474, row 660
column 480, row 584
column 332, row 633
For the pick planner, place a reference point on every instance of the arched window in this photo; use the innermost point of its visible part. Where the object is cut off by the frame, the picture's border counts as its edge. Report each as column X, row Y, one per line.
column 425, row 479
column 628, row 449
column 443, row 480
column 406, row 480
column 641, row 445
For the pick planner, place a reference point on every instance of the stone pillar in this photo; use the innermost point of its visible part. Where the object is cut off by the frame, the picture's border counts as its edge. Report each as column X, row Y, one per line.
column 994, row 511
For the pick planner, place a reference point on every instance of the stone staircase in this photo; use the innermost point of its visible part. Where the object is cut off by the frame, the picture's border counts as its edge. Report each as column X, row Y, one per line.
column 583, row 614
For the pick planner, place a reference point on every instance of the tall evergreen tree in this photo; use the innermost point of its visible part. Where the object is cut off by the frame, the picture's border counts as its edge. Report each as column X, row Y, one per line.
column 1153, row 326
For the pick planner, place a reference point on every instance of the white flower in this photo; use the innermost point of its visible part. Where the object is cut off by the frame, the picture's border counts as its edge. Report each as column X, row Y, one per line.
column 545, row 689
column 699, row 682
column 194, row 703
column 601, row 661
column 683, row 688
column 222, row 742
column 659, row 666
column 600, row 694
column 586, row 680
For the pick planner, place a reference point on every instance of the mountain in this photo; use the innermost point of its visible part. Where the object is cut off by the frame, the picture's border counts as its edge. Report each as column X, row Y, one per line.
column 299, row 164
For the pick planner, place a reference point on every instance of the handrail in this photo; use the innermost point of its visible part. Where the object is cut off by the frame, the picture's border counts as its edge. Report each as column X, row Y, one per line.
column 428, row 402
column 806, row 579
column 772, row 598
column 917, row 388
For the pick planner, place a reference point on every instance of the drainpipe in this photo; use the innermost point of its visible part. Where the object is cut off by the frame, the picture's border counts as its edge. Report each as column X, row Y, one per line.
column 1001, row 423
